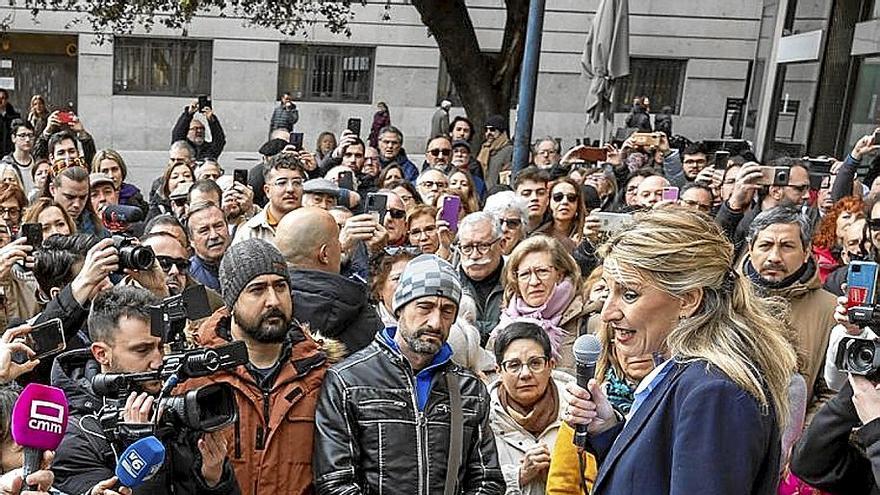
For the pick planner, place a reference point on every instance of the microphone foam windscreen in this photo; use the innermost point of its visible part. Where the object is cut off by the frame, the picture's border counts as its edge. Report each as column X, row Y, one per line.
column 587, row 349
column 39, row 418
column 140, row 461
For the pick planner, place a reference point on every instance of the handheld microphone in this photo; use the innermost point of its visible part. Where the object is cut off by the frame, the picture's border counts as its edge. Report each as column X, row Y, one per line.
column 39, row 421
column 586, row 353
column 140, row 462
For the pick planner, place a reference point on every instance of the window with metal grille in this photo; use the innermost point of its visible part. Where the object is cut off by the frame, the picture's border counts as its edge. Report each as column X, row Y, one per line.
column 161, row 67
column 661, row 80
column 327, row 72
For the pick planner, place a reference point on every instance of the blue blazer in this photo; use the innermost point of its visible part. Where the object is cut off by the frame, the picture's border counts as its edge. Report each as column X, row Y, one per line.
column 698, row 433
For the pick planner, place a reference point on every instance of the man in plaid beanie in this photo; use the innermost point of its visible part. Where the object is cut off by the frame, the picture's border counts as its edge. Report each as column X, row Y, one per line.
column 398, row 389
column 277, row 390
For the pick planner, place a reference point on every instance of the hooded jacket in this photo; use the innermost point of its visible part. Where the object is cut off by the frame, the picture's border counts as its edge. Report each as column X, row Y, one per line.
column 334, row 306
column 85, row 457
column 812, row 315
column 271, row 443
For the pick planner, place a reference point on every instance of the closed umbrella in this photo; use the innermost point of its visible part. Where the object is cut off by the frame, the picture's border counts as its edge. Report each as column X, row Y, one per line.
column 606, row 57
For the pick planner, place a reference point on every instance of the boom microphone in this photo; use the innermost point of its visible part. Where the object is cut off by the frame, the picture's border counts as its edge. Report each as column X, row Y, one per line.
column 140, row 462
column 39, row 421
column 586, row 353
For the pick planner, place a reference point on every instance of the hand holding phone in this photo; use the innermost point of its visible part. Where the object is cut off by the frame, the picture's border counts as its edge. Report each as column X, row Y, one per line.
column 240, row 175
column 43, row 340
column 354, row 125
column 450, row 211
column 296, row 140
column 721, row 159
column 345, row 180
column 377, row 203
column 204, row 102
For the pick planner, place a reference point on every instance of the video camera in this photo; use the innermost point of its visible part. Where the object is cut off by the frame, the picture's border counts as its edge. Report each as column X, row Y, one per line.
column 206, row 409
column 859, row 357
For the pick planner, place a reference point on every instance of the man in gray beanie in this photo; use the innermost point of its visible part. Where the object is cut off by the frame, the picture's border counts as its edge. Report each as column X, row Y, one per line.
column 394, row 410
column 277, row 391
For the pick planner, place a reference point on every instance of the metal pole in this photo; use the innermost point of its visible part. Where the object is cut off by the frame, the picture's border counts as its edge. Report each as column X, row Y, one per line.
column 528, row 83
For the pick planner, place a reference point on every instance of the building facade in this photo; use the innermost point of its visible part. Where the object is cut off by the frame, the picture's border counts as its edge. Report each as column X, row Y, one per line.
column 708, row 60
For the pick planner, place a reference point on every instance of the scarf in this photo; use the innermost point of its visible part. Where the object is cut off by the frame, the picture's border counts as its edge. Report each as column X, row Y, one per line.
column 548, row 316
column 489, row 149
column 541, row 415
column 802, row 274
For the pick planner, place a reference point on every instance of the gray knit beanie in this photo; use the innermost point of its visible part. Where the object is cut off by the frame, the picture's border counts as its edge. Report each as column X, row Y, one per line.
column 245, row 261
column 426, row 275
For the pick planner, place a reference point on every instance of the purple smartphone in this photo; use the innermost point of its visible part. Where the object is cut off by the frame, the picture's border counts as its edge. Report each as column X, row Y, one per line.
column 450, row 211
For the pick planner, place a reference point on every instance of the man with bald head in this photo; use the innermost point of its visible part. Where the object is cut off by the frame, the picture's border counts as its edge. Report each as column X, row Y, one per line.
column 334, row 306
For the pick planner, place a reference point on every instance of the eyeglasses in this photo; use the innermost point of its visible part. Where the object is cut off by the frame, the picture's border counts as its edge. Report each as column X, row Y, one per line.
column 166, row 262
column 428, row 231
column 571, row 197
column 283, row 183
column 489, row 128
column 12, row 211
column 430, row 184
column 480, row 247
column 25, row 135
column 535, row 364
column 542, row 272
column 694, row 204
column 438, row 152
column 396, row 214
column 511, row 223
column 389, row 142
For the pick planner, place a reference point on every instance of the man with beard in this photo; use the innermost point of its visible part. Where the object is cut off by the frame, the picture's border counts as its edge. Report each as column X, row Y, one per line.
column 479, row 241
column 431, row 184
column 192, row 130
column 277, row 390
column 779, row 263
column 390, row 414
column 119, row 327
column 284, row 176
column 209, row 237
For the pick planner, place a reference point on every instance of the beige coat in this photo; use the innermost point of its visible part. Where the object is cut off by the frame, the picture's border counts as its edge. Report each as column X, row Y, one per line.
column 512, row 441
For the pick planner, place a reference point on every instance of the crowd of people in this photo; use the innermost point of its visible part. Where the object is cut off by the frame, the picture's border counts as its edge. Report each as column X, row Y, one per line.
column 411, row 327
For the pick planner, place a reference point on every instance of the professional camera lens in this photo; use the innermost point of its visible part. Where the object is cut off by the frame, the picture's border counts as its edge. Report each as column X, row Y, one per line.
column 861, row 357
column 133, row 256
column 206, row 409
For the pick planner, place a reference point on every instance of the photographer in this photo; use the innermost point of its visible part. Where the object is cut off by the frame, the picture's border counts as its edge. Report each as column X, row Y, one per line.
column 827, row 459
column 192, row 130
column 122, row 342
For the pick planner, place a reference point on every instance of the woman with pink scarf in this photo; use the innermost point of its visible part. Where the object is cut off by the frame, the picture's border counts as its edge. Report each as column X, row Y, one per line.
column 542, row 285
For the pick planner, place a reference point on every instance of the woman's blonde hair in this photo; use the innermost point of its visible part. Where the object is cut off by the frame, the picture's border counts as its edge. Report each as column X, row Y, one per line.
column 109, row 154
column 470, row 203
column 562, row 261
column 676, row 250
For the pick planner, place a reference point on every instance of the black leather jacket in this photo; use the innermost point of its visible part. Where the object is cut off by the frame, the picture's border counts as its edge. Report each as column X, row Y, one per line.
column 371, row 437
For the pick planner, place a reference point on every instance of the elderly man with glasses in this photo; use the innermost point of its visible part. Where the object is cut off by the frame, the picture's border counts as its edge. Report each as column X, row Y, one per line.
column 480, row 249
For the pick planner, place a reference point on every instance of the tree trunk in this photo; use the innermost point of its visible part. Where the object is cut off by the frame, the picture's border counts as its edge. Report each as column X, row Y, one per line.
column 485, row 87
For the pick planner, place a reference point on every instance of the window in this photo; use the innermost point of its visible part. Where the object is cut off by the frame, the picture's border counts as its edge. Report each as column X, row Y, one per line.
column 161, row 67
column 661, row 80
column 446, row 88
column 327, row 72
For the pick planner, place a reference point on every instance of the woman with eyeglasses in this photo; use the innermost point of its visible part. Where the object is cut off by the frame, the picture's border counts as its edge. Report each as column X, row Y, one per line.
column 542, row 283
column 526, row 406
column 568, row 211
column 175, row 174
column 427, row 233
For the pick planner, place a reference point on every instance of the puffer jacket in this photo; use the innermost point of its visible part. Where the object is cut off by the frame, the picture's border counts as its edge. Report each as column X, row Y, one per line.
column 513, row 441
column 271, row 443
column 85, row 457
column 334, row 306
column 373, row 437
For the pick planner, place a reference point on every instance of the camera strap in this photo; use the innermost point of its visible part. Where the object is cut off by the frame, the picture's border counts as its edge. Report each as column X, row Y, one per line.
column 456, row 432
